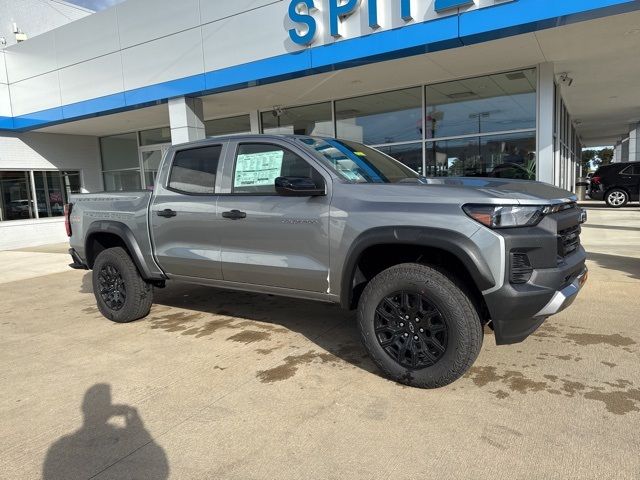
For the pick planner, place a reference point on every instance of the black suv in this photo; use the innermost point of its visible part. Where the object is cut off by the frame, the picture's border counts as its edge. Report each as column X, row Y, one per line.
column 616, row 184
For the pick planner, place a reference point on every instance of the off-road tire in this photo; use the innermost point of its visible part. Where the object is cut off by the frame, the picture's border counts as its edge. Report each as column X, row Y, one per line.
column 616, row 198
column 139, row 294
column 464, row 328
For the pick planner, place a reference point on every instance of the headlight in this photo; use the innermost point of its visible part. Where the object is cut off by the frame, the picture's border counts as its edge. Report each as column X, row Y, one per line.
column 506, row 216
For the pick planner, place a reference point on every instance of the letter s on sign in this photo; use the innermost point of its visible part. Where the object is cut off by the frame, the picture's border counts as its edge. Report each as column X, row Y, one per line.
column 296, row 15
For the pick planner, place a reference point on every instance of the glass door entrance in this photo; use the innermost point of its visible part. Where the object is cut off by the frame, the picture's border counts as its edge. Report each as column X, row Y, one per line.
column 150, row 158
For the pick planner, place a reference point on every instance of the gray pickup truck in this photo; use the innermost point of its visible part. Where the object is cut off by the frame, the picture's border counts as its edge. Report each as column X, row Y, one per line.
column 427, row 262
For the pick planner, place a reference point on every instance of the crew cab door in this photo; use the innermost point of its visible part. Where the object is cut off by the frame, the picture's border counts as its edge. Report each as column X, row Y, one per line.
column 183, row 212
column 270, row 239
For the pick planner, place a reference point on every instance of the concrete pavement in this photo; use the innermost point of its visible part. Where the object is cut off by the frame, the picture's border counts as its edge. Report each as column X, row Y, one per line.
column 226, row 385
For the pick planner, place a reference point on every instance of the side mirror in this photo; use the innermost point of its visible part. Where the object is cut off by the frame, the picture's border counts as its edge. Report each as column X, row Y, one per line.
column 298, row 187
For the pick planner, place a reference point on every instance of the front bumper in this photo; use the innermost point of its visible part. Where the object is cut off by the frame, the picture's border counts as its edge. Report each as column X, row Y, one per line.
column 565, row 297
column 517, row 311
column 558, row 272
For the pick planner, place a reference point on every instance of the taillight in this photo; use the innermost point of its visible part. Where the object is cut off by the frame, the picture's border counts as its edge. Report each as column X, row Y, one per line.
column 595, row 180
column 67, row 221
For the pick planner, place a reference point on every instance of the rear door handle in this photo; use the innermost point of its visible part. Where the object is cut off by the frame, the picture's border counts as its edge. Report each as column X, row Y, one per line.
column 234, row 214
column 167, row 213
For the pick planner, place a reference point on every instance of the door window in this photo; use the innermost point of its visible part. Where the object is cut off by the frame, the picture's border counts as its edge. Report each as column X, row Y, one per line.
column 257, row 166
column 194, row 170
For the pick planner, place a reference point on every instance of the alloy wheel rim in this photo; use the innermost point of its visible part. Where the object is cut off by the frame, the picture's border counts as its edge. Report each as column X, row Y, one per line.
column 616, row 198
column 111, row 287
column 411, row 330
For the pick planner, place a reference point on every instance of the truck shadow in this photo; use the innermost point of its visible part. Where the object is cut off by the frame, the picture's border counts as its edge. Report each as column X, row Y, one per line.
column 258, row 319
column 627, row 265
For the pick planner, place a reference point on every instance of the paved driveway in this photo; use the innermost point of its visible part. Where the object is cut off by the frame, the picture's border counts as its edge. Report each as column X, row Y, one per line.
column 225, row 385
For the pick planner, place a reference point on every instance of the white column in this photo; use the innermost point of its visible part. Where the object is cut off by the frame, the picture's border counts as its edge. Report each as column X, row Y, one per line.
column 618, row 153
column 546, row 166
column 634, row 143
column 186, row 120
column 254, row 117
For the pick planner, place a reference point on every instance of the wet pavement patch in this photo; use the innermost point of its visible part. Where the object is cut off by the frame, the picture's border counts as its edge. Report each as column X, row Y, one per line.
column 584, row 339
column 250, row 336
column 619, row 399
column 291, row 364
column 619, row 403
column 186, row 323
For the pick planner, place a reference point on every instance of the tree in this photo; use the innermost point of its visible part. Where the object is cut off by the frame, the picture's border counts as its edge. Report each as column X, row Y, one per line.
column 588, row 156
column 605, row 155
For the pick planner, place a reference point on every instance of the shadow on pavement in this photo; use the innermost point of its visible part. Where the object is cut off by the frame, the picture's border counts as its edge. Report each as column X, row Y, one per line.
column 610, row 227
column 628, row 265
column 101, row 442
column 328, row 326
column 604, row 206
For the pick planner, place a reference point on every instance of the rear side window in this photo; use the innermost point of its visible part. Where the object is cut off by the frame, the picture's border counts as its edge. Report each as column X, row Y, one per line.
column 194, row 171
column 257, row 166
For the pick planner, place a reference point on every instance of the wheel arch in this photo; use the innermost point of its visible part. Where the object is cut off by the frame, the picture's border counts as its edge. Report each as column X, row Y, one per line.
column 403, row 243
column 105, row 234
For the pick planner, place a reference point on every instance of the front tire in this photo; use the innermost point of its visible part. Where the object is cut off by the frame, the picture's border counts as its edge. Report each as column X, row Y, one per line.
column 418, row 326
column 121, row 293
column 617, row 198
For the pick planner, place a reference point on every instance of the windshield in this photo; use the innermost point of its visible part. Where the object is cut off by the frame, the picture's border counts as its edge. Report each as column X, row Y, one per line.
column 358, row 163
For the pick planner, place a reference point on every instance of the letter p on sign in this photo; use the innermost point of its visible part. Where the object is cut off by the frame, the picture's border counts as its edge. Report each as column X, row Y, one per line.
column 339, row 10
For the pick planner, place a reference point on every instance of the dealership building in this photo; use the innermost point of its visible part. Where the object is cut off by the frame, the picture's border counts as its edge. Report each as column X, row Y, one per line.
column 510, row 88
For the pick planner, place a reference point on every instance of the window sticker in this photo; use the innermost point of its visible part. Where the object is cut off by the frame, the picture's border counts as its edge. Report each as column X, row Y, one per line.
column 256, row 169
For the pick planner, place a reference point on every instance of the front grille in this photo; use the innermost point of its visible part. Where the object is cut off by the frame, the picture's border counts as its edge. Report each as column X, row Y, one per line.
column 569, row 241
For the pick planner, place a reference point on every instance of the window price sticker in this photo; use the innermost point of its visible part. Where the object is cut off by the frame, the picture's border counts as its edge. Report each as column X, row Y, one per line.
column 256, row 169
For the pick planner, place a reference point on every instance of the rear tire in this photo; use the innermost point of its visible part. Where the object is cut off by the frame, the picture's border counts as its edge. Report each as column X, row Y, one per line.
column 418, row 326
column 121, row 293
column 616, row 198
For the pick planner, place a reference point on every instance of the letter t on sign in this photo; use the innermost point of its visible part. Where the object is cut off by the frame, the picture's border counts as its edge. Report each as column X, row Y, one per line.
column 339, row 10
column 405, row 10
column 373, row 14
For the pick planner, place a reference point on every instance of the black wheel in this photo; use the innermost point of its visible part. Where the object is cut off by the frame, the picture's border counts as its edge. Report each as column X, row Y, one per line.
column 616, row 198
column 418, row 326
column 121, row 293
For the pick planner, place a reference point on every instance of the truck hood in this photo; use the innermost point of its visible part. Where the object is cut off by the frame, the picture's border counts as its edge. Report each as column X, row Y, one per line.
column 481, row 190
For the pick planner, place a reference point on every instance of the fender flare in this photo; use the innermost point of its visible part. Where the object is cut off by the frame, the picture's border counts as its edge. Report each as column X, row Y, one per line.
column 450, row 241
column 123, row 232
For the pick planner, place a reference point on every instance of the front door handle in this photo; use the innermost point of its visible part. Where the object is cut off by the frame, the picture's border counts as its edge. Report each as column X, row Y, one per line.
column 234, row 214
column 167, row 213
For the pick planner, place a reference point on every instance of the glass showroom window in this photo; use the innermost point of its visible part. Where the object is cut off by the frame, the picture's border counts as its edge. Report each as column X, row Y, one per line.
column 308, row 120
column 499, row 156
column 483, row 126
column 383, row 118
column 409, row 154
column 227, row 126
column 120, row 162
column 495, row 103
column 154, row 143
column 16, row 199
column 155, row 136
column 52, row 190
